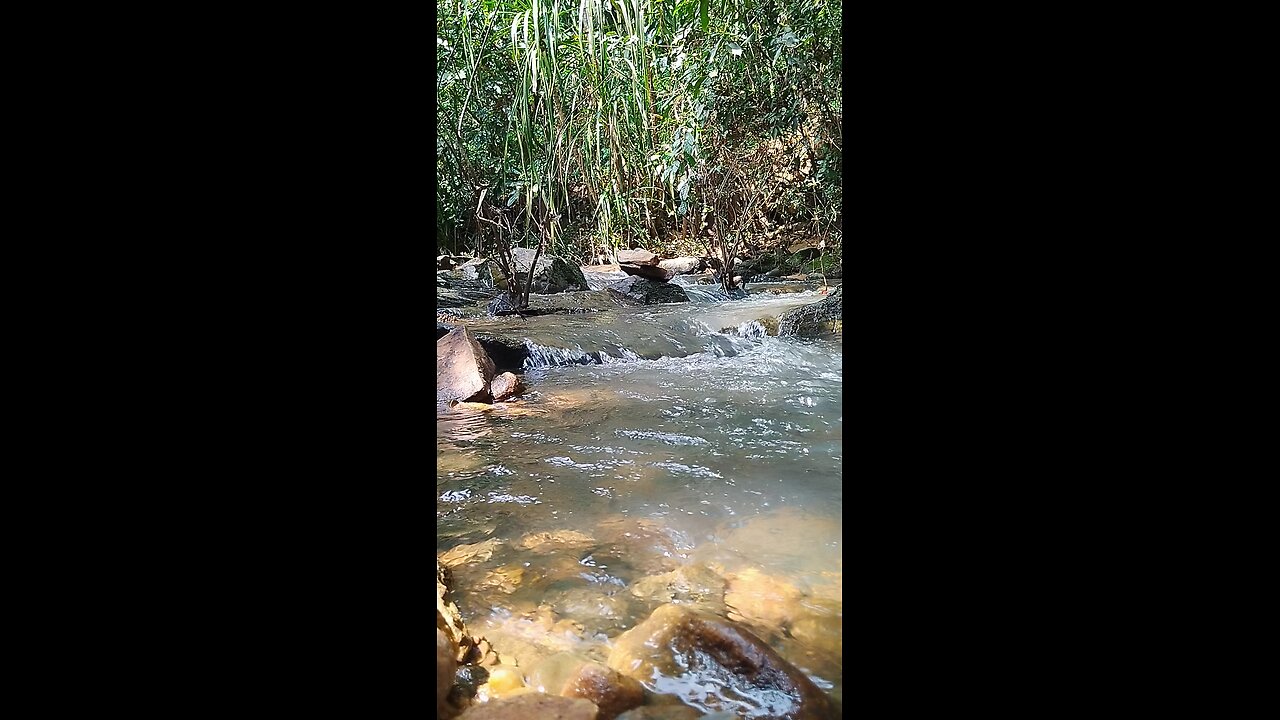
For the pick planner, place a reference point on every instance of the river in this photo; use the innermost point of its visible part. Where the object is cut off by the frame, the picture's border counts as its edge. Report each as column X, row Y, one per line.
column 671, row 453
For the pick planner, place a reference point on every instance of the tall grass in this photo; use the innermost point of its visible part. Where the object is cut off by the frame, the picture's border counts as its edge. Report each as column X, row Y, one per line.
column 577, row 127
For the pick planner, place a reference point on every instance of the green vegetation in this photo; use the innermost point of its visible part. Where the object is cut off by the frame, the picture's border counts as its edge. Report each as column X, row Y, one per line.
column 681, row 126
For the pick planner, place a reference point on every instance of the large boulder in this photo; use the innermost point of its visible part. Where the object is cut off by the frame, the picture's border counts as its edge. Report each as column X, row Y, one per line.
column 824, row 317
column 533, row 706
column 600, row 275
column 713, row 664
column 552, row 275
column 463, row 369
column 649, row 292
column 683, row 265
column 475, row 280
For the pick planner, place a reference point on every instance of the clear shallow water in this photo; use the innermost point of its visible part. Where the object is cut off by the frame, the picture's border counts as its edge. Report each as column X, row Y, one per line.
column 710, row 474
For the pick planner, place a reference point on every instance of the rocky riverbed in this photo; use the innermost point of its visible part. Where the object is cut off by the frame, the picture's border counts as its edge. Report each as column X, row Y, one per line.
column 639, row 496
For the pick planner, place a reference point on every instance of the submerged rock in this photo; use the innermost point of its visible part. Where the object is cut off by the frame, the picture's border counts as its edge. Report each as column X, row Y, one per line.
column 533, row 706
column 662, row 712
column 552, row 275
column 557, row 540
column 762, row 598
column 463, row 369
column 687, row 585
column 647, row 291
column 713, row 664
column 824, row 317
column 469, row 553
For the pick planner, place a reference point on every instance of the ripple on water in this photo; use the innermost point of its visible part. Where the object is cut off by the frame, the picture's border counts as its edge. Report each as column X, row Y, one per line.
column 663, row 437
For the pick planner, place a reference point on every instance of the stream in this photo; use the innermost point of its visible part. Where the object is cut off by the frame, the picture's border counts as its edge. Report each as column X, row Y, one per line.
column 668, row 453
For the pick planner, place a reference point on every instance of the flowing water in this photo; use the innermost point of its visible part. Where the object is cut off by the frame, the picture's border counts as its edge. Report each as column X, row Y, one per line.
column 670, row 453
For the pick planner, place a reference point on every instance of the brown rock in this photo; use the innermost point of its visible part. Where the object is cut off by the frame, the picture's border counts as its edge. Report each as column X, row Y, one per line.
column 762, row 598
column 572, row 675
column 506, row 386
column 639, row 256
column 448, row 619
column 533, row 706
column 463, row 368
column 469, row 553
column 557, row 540
column 653, row 272
column 677, row 651
column 610, row 690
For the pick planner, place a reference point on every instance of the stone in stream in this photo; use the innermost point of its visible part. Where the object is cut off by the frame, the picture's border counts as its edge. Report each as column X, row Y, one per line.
column 650, row 292
column 463, row 369
column 543, row 542
column 639, row 256
column 821, row 318
column 505, row 386
column 571, row 675
column 683, row 265
column 503, row 681
column 470, row 553
column 687, row 585
column 448, row 619
column 676, row 651
column 533, row 706
column 552, row 275
column 653, row 272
